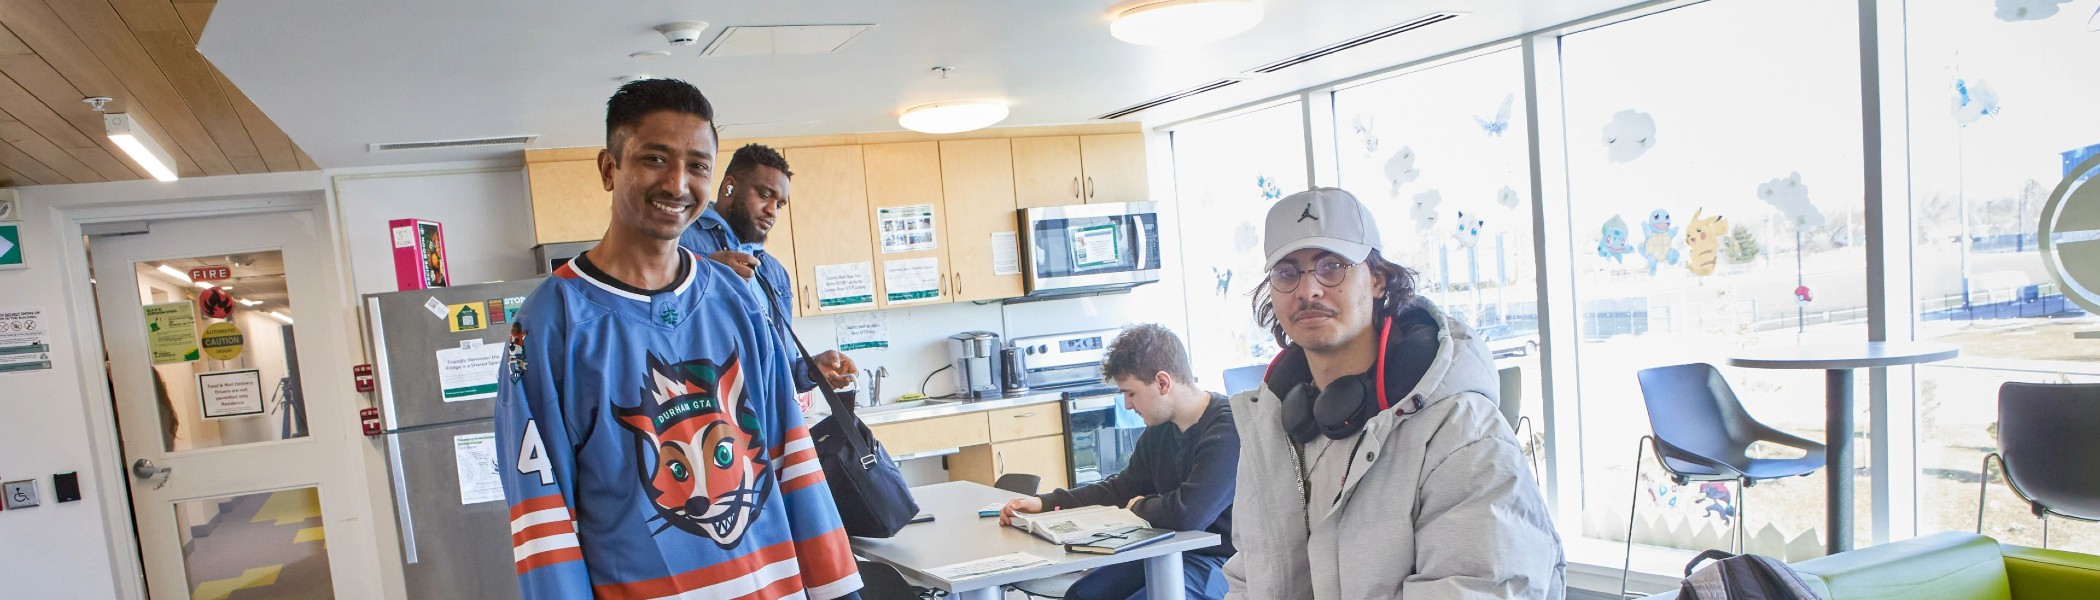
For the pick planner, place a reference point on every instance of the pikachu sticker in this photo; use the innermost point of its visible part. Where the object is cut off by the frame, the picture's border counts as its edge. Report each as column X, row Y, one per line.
column 1703, row 238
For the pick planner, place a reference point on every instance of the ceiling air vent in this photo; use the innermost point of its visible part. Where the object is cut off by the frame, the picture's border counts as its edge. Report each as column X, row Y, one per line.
column 1167, row 98
column 1257, row 72
column 512, row 140
column 1424, row 21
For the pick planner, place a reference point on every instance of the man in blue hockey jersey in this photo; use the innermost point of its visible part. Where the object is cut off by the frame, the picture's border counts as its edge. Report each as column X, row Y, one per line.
column 733, row 232
column 648, row 442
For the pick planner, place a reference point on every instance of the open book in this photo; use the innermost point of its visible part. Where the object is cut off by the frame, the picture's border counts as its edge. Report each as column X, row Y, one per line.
column 1076, row 525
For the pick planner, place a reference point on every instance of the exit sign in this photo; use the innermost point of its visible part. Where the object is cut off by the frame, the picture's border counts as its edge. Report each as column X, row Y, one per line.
column 210, row 273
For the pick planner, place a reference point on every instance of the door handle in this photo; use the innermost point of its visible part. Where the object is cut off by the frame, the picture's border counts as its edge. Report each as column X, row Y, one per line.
column 144, row 469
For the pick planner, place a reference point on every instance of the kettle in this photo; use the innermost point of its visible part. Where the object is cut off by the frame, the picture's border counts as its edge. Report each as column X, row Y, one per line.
column 1013, row 370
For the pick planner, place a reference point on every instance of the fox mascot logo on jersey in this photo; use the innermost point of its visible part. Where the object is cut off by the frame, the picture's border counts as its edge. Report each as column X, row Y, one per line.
column 700, row 452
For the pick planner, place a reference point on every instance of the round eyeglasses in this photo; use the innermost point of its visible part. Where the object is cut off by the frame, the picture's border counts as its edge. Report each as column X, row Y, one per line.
column 1330, row 270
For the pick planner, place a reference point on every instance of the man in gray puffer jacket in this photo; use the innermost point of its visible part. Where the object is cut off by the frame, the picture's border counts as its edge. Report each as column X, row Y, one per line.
column 1373, row 460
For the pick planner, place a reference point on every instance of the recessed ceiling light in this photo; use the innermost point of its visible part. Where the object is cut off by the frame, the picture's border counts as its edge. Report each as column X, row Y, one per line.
column 1185, row 22
column 648, row 54
column 953, row 117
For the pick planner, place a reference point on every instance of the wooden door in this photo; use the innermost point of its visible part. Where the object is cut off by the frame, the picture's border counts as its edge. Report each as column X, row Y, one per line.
column 1047, row 171
column 977, row 178
column 831, row 195
column 907, row 219
column 1113, row 167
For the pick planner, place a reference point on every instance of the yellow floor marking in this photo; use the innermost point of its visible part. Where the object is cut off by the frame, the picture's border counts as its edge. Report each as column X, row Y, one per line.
column 310, row 534
column 219, row 589
column 288, row 507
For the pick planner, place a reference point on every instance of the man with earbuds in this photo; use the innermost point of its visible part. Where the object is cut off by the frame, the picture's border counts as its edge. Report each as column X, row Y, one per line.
column 733, row 230
column 1374, row 462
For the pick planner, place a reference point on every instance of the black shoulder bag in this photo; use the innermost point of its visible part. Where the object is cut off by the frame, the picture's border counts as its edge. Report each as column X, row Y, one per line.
column 870, row 492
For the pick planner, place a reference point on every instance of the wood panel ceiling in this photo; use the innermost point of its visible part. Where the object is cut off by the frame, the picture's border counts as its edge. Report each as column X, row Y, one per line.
column 143, row 54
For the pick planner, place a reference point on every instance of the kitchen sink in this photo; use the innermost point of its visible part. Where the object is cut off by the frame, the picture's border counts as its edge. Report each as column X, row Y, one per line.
column 905, row 405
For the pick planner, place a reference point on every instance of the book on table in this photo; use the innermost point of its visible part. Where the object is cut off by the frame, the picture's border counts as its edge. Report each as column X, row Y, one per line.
column 1077, row 525
column 1118, row 540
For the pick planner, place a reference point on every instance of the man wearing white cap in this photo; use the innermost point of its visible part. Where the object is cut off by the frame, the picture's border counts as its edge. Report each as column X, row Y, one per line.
column 1373, row 460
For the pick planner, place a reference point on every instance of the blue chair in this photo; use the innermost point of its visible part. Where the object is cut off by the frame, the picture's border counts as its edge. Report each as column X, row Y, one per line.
column 1240, row 379
column 1701, row 433
column 2047, row 445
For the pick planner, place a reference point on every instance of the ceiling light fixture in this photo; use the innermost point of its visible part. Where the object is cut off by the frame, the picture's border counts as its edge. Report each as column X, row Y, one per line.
column 205, row 285
column 953, row 117
column 279, row 316
column 127, row 133
column 247, row 302
column 175, row 273
column 1185, row 22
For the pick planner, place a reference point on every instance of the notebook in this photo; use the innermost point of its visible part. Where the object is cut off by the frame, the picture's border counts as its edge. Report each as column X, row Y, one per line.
column 1111, row 542
column 1077, row 525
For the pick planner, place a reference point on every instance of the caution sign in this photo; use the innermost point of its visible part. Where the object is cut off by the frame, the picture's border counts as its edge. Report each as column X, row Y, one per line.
column 222, row 341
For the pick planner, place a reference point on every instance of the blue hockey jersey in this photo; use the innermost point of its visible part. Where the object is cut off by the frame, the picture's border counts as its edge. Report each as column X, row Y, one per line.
column 650, row 447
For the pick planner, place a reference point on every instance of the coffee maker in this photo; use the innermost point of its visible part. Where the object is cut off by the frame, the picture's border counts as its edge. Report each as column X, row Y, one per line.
column 975, row 357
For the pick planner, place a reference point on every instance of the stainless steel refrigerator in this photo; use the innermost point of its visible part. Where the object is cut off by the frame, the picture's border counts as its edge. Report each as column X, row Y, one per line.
column 436, row 381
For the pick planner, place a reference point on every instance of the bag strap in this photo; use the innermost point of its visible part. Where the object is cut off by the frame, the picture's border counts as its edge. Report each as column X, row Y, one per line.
column 1703, row 557
column 840, row 409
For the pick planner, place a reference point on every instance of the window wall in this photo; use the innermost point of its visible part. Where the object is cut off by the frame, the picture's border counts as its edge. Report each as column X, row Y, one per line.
column 1714, row 185
column 1997, row 119
column 1715, row 195
column 1227, row 172
column 1439, row 155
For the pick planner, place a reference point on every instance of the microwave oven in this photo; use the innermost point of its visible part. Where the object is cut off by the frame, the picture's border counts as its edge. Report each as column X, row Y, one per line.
column 1089, row 248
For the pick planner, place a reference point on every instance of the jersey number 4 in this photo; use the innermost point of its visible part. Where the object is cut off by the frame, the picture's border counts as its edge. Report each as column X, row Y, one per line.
column 532, row 454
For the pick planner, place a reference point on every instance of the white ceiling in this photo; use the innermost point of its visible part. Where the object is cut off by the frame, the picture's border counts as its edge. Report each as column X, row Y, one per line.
column 338, row 76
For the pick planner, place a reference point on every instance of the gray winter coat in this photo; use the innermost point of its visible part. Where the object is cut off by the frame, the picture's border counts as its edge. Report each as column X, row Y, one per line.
column 1439, row 503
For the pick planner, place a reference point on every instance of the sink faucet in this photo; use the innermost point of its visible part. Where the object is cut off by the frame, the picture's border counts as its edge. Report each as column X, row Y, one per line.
column 875, row 376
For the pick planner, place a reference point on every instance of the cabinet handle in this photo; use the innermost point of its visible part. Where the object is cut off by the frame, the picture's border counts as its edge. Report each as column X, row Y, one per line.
column 958, row 283
column 1002, row 461
column 944, row 281
column 1090, row 187
column 1024, row 415
column 1075, row 188
column 805, row 297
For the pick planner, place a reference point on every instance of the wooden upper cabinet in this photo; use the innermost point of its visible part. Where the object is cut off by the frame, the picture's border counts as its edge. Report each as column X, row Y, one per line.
column 977, row 178
column 569, row 201
column 1113, row 166
column 907, row 220
column 1047, row 171
column 830, row 196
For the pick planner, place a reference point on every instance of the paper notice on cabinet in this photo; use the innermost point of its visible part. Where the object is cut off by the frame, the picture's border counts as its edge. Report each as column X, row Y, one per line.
column 905, row 228
column 912, row 279
column 1006, row 253
column 469, row 373
column 863, row 330
column 845, row 286
column 476, row 457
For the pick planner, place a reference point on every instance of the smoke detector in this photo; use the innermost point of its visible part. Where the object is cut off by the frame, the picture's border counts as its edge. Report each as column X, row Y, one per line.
column 682, row 33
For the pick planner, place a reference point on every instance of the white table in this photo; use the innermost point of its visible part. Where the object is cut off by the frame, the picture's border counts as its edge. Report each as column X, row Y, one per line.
column 957, row 534
column 1838, row 361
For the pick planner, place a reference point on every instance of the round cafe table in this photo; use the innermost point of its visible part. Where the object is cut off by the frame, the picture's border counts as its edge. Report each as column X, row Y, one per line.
column 1837, row 361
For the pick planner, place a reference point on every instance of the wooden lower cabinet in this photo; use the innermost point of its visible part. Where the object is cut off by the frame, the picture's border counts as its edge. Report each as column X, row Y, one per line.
column 1041, row 456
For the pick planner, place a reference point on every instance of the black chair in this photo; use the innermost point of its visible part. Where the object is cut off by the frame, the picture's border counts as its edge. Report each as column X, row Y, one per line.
column 1512, row 392
column 1019, row 483
column 880, row 581
column 2047, row 444
column 1701, row 433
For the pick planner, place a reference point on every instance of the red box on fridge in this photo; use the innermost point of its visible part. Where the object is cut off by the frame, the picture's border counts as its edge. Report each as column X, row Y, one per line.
column 419, row 254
